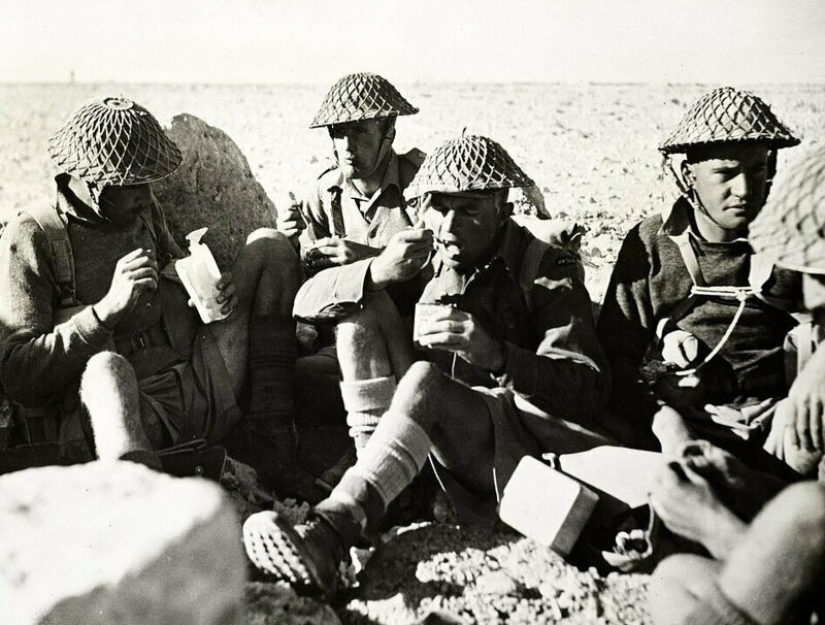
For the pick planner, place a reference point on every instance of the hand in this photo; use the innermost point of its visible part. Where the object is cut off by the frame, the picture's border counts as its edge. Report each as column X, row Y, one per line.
column 135, row 274
column 405, row 255
column 680, row 348
column 680, row 391
column 455, row 331
column 227, row 297
column 331, row 251
column 687, row 505
column 671, row 430
column 805, row 405
column 289, row 219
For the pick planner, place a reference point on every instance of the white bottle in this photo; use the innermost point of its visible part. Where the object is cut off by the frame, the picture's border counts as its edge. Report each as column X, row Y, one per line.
column 199, row 273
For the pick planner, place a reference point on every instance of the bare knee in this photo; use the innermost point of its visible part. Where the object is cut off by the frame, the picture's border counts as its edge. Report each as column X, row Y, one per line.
column 800, row 511
column 419, row 392
column 678, row 585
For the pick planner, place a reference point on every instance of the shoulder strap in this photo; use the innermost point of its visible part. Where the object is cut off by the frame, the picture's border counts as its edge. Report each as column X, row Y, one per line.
column 530, row 267
column 336, row 212
column 52, row 224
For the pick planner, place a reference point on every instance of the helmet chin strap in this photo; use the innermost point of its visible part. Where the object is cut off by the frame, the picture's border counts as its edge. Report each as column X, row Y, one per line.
column 383, row 152
column 688, row 192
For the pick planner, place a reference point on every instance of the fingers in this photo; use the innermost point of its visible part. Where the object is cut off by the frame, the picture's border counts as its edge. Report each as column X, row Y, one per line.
column 815, row 422
column 226, row 282
column 803, row 430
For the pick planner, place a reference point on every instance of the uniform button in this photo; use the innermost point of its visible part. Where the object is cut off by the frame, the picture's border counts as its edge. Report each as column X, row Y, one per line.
column 371, row 234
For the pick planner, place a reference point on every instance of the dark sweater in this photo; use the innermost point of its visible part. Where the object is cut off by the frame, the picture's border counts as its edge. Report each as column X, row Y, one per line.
column 650, row 280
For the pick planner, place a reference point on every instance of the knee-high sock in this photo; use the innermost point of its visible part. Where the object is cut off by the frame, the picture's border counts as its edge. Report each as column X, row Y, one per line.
column 394, row 456
column 365, row 402
column 272, row 352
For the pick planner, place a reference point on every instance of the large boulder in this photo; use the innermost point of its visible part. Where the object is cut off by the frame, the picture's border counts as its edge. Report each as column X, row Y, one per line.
column 214, row 187
column 116, row 542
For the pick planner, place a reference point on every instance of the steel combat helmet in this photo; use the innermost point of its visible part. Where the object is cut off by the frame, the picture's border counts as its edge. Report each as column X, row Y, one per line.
column 114, row 141
column 361, row 96
column 469, row 163
column 726, row 115
column 791, row 226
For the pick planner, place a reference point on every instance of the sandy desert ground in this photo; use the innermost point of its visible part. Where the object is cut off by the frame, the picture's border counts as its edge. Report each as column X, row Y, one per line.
column 591, row 150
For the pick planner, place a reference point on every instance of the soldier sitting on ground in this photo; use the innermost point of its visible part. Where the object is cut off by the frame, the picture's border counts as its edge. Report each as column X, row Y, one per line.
column 768, row 569
column 693, row 322
column 96, row 322
column 351, row 213
column 514, row 362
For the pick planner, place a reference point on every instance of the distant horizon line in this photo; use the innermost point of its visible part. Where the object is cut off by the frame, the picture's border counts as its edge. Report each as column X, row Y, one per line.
column 798, row 83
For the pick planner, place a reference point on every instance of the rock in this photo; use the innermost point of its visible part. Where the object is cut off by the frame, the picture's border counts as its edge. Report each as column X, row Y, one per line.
column 117, row 543
column 214, row 187
column 277, row 604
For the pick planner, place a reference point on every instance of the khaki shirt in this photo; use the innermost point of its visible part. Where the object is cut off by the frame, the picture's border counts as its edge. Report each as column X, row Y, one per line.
column 332, row 206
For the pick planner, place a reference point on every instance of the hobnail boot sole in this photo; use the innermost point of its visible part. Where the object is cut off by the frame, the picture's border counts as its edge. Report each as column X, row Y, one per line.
column 274, row 547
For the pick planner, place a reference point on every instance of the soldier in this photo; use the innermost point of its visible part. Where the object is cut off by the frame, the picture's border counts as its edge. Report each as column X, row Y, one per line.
column 514, row 360
column 766, row 569
column 95, row 313
column 356, row 205
column 689, row 304
column 351, row 213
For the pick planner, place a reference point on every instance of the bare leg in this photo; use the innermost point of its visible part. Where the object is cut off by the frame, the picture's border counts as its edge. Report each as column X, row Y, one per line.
column 679, row 585
column 109, row 391
column 771, row 577
column 373, row 353
column 781, row 560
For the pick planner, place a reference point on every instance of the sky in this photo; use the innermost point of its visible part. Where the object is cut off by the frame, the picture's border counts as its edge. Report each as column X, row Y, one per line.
column 317, row 41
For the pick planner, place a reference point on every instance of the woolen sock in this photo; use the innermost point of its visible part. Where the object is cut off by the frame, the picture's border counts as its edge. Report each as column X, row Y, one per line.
column 365, row 401
column 717, row 609
column 394, row 456
column 271, row 361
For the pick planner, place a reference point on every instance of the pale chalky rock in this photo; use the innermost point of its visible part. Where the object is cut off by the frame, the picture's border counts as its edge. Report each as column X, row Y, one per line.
column 215, row 188
column 115, row 542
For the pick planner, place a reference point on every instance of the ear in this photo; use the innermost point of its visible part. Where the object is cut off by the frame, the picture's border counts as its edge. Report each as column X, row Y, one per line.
column 688, row 175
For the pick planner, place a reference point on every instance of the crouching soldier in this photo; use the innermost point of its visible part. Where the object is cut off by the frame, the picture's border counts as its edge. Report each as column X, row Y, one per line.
column 95, row 320
column 514, row 365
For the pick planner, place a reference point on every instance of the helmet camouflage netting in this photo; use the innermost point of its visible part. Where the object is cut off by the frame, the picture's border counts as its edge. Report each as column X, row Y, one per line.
column 727, row 115
column 791, row 226
column 361, row 96
column 469, row 163
column 114, row 141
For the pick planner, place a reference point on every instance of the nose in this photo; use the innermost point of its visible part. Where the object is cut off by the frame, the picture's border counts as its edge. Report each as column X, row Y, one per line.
column 448, row 222
column 741, row 186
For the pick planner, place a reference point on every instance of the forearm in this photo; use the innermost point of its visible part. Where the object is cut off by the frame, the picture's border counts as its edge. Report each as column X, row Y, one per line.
column 37, row 366
column 564, row 385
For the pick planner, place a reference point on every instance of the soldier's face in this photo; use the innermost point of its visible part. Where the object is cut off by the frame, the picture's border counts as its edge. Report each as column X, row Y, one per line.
column 358, row 146
column 730, row 181
column 122, row 205
column 466, row 225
